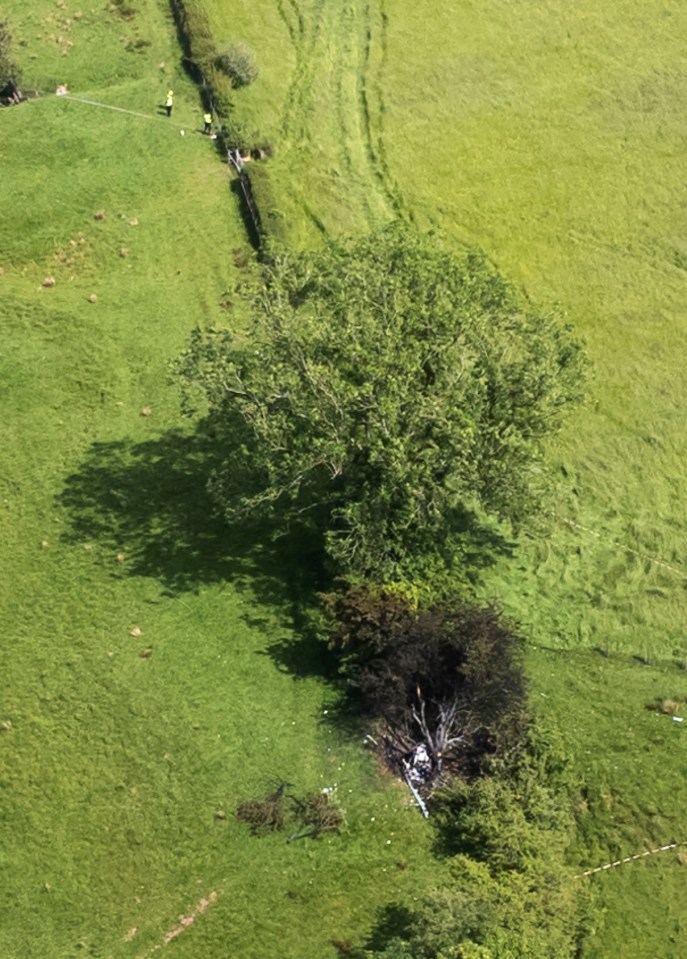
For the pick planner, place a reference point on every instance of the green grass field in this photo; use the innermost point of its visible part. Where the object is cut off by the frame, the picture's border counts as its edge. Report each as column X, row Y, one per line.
column 549, row 135
column 119, row 751
column 552, row 137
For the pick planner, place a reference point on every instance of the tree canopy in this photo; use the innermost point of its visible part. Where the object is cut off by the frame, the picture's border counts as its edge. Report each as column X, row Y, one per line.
column 384, row 386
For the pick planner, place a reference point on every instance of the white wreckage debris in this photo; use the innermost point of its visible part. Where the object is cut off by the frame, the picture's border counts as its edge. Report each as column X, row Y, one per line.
column 418, row 766
column 417, row 770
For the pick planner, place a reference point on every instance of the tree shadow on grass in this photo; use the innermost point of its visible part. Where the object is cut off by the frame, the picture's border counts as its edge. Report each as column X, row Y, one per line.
column 304, row 655
column 148, row 504
column 474, row 544
column 393, row 922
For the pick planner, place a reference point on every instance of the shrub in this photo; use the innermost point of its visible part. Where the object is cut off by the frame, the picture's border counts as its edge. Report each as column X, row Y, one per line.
column 507, row 893
column 263, row 815
column 449, row 676
column 9, row 71
column 314, row 814
column 319, row 813
column 200, row 52
column 272, row 222
column 238, row 63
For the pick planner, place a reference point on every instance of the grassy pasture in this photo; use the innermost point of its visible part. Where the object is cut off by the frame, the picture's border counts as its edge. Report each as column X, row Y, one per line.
column 560, row 156
column 551, row 135
column 123, row 750
column 633, row 797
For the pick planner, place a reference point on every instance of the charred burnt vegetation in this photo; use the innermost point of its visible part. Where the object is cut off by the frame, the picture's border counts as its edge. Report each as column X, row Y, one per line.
column 442, row 686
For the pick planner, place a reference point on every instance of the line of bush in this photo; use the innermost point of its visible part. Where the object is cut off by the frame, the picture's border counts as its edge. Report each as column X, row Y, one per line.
column 272, row 223
column 201, row 54
column 390, row 390
column 218, row 74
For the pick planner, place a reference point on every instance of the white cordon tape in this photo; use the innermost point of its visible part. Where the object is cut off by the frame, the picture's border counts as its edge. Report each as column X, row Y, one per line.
column 628, row 549
column 619, row 862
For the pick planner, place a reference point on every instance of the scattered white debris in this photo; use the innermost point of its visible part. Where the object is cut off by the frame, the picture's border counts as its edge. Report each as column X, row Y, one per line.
column 418, row 767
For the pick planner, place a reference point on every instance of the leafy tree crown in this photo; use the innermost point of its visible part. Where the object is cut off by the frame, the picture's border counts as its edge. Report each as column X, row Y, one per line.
column 385, row 384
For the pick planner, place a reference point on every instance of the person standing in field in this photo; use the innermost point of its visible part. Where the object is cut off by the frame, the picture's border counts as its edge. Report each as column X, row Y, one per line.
column 207, row 120
column 169, row 102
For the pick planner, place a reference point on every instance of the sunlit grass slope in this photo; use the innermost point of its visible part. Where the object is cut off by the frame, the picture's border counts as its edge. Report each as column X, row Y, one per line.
column 312, row 102
column 628, row 761
column 147, row 683
column 552, row 136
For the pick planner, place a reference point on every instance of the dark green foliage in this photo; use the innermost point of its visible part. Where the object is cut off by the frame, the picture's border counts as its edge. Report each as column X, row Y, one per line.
column 449, row 676
column 200, row 49
column 508, row 894
column 10, row 73
column 237, row 62
column 510, row 818
column 529, row 915
column 272, row 223
column 388, row 385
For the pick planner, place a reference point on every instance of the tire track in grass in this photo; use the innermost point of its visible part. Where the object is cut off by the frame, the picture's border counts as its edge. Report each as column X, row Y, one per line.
column 359, row 98
column 294, row 122
column 295, row 31
column 335, row 105
column 372, row 85
column 351, row 144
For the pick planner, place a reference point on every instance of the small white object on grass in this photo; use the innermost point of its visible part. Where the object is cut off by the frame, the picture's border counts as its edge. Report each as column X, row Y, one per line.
column 678, row 719
column 182, row 132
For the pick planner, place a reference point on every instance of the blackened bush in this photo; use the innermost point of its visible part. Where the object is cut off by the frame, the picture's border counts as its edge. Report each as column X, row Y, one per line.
column 449, row 676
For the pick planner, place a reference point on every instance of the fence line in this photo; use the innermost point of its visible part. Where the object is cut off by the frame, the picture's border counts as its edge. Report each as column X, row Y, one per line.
column 619, row 862
column 628, row 549
column 108, row 106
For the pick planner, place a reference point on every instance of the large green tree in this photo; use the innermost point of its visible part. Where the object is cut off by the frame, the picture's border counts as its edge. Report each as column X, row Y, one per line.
column 384, row 386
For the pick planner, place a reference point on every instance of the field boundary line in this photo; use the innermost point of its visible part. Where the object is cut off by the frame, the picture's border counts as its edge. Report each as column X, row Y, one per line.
column 108, row 106
column 619, row 862
column 628, row 549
